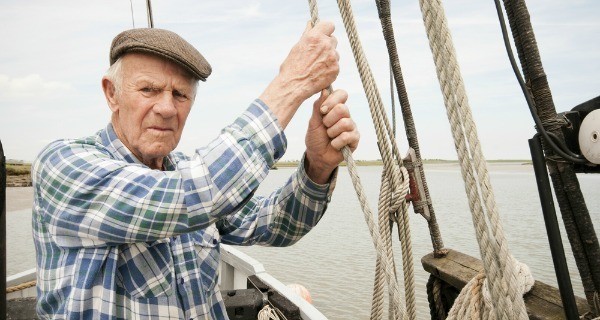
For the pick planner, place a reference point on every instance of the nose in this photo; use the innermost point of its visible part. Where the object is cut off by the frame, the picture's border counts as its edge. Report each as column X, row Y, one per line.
column 165, row 105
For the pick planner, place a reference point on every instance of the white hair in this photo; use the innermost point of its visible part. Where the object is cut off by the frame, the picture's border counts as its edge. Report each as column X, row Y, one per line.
column 115, row 75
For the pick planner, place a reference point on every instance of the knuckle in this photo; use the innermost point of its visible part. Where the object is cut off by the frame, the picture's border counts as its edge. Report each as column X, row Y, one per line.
column 312, row 39
column 348, row 124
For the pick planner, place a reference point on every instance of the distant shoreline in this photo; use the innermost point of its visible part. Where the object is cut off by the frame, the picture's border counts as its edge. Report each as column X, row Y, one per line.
column 366, row 163
column 18, row 175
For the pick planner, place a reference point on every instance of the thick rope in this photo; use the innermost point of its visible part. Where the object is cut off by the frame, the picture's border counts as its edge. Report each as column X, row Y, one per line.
column 500, row 267
column 475, row 300
column 437, row 311
column 392, row 166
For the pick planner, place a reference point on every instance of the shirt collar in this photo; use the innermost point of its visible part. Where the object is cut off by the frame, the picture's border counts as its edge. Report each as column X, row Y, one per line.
column 108, row 138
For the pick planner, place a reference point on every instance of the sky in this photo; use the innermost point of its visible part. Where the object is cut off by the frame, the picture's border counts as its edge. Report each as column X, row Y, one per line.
column 54, row 54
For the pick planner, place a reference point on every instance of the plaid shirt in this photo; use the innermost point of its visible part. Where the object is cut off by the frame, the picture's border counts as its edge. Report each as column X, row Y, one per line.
column 118, row 240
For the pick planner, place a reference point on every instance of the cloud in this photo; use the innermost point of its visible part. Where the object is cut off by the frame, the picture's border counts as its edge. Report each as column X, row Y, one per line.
column 31, row 86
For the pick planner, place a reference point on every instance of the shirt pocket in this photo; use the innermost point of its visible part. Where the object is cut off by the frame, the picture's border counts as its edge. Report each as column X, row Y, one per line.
column 146, row 269
column 206, row 244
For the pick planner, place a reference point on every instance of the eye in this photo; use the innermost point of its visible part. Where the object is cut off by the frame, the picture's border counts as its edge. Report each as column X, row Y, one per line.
column 180, row 96
column 149, row 90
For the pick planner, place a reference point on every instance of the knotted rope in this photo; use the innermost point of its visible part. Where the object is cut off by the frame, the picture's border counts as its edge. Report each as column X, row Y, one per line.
column 394, row 188
column 268, row 313
column 500, row 268
column 475, row 299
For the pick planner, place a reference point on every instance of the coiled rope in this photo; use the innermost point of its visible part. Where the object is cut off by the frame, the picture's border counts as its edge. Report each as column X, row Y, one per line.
column 394, row 188
column 502, row 270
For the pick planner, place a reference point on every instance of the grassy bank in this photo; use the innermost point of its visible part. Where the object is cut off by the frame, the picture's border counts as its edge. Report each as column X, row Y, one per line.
column 18, row 169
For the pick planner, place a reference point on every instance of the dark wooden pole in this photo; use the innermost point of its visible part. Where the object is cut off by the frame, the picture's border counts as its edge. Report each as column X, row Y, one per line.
column 576, row 217
column 554, row 239
column 2, row 232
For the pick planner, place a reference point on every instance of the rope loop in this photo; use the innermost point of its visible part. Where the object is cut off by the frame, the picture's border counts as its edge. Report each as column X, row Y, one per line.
column 268, row 313
column 501, row 271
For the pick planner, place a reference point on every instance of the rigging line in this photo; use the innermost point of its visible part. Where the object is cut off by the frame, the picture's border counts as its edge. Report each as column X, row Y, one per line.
column 149, row 9
column 387, row 260
column 561, row 149
column 393, row 100
column 132, row 19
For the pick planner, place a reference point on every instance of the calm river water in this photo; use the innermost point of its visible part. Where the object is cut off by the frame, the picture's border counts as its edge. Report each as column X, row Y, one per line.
column 336, row 260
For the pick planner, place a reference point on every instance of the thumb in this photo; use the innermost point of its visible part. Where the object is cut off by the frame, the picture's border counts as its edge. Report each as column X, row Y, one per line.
column 317, row 114
column 309, row 26
column 319, row 103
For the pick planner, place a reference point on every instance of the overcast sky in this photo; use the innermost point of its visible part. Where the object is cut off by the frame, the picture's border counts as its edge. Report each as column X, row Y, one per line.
column 54, row 54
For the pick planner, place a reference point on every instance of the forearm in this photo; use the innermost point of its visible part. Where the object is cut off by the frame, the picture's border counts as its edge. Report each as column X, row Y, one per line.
column 284, row 96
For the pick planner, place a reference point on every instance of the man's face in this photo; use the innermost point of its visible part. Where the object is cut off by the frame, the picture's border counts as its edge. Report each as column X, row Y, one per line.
column 150, row 111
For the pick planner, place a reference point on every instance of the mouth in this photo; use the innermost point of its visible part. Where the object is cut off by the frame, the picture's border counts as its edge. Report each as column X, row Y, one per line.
column 160, row 129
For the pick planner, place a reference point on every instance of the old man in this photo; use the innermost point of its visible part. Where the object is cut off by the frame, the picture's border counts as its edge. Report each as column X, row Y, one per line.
column 124, row 227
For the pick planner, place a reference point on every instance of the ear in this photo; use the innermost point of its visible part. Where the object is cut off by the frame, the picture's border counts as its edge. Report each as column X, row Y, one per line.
column 110, row 93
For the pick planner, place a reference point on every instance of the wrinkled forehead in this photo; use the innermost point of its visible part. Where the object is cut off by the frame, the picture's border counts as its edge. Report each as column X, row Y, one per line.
column 136, row 65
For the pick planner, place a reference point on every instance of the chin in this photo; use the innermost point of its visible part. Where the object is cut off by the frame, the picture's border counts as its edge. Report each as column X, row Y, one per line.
column 159, row 152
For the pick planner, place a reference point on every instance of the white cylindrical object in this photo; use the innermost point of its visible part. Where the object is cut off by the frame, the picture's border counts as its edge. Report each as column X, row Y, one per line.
column 589, row 137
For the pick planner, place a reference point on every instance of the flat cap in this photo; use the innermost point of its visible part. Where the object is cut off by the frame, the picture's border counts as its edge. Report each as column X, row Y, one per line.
column 164, row 43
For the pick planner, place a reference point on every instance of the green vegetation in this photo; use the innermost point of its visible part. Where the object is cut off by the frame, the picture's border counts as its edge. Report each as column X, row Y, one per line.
column 18, row 169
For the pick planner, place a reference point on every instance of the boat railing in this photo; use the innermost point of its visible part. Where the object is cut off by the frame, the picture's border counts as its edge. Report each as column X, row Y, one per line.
column 237, row 266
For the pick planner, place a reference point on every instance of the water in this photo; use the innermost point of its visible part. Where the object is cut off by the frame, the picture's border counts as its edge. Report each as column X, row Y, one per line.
column 336, row 260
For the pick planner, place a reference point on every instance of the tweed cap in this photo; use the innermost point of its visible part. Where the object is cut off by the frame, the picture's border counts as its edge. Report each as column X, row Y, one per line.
column 164, row 43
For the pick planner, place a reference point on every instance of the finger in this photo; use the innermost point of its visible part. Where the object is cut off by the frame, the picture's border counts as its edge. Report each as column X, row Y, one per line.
column 322, row 98
column 349, row 139
column 337, row 97
column 309, row 26
column 324, row 27
column 343, row 125
column 334, row 115
column 334, row 41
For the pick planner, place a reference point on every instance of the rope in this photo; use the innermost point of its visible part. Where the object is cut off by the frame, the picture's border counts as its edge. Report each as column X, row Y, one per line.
column 393, row 191
column 394, row 188
column 500, row 267
column 21, row 286
column 437, row 309
column 385, row 17
column 392, row 162
column 268, row 313
column 475, row 300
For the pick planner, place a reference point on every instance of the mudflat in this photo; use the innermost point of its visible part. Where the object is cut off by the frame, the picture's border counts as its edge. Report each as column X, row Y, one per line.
column 19, row 198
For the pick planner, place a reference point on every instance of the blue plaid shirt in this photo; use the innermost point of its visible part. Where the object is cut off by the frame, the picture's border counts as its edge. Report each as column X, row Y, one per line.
column 118, row 240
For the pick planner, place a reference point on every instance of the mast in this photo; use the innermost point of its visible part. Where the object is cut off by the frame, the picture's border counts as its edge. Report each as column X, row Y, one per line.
column 576, row 217
column 2, row 232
